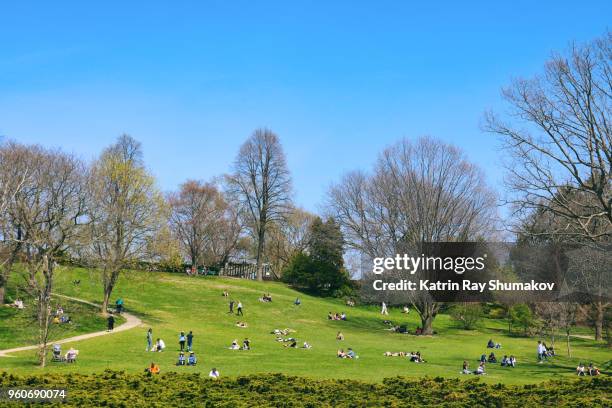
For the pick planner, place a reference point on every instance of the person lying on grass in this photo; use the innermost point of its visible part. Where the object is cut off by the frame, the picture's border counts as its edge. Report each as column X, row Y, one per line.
column 152, row 369
column 481, row 369
column 394, row 354
column 192, row 360
column 18, row 304
column 306, row 345
column 242, row 325
column 285, row 340
column 282, row 332
column 292, row 344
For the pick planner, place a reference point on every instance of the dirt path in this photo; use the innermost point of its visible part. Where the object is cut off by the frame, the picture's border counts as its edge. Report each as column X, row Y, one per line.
column 131, row 321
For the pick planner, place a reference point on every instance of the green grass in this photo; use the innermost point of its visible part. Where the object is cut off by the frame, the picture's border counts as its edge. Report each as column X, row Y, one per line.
column 170, row 303
column 19, row 327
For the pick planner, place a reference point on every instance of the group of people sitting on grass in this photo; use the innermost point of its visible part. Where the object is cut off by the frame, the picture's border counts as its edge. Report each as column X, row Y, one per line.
column 412, row 356
column 492, row 344
column 69, row 357
column 292, row 343
column 544, row 352
column 505, row 362
column 266, row 297
column 336, row 316
column 282, row 332
column 190, row 361
column 246, row 345
column 348, row 354
column 60, row 317
column 480, row 370
column 591, row 370
column 508, row 361
column 242, row 325
column 154, row 369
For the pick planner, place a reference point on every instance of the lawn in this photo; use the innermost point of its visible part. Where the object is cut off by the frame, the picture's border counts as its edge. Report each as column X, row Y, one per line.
column 170, row 303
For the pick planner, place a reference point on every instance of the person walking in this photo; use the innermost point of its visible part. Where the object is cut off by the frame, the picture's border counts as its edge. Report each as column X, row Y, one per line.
column 239, row 309
column 150, row 339
column 119, row 305
column 110, row 322
column 231, row 307
column 383, row 310
column 189, row 340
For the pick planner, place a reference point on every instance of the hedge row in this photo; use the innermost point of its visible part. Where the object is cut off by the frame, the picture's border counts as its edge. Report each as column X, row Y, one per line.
column 119, row 389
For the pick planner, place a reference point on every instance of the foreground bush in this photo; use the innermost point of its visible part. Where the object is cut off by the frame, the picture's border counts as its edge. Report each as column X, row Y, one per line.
column 118, row 389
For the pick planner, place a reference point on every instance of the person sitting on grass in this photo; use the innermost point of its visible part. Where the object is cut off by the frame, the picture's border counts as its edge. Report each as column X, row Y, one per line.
column 306, row 345
column 343, row 316
column 234, row 345
column 340, row 353
column 152, row 369
column 246, row 344
column 214, row 374
column 483, row 358
column 225, row 293
column 580, row 370
column 351, row 354
column 65, row 319
column 405, row 310
column 416, row 358
column 242, row 325
column 59, row 311
column 350, row 303
column 481, row 369
column 492, row 358
column 330, row 316
column 57, row 352
column 293, row 344
column 505, row 361
column 18, row 304
column 192, row 360
column 297, row 302
column 340, row 336
column 160, row 345
column 466, row 368
column 512, row 361
column 56, row 320
column 593, row 371
column 181, row 359
column 71, row 355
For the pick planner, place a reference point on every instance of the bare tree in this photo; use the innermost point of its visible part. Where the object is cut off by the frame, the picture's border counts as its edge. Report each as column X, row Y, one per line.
column 260, row 185
column 50, row 210
column 205, row 225
column 14, row 170
column 417, row 193
column 561, row 141
column 127, row 210
column 288, row 238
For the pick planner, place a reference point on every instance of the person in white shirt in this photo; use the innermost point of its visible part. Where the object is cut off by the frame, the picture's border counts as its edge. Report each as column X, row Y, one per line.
column 160, row 345
column 383, row 310
column 541, row 352
column 213, row 373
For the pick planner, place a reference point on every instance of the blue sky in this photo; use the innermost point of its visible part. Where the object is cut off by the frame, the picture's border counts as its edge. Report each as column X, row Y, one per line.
column 336, row 80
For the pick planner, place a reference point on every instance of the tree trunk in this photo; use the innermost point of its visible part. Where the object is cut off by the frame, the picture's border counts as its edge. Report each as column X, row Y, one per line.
column 260, row 249
column 427, row 324
column 109, row 285
column 599, row 320
column 569, row 351
column 2, row 283
column 44, row 309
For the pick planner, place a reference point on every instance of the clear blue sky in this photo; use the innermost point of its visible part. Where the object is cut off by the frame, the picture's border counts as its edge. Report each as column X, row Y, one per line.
column 337, row 80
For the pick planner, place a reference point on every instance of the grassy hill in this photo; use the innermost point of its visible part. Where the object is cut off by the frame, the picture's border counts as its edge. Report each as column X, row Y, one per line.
column 170, row 303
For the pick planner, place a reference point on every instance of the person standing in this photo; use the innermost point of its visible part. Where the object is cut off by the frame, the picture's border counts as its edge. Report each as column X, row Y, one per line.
column 182, row 341
column 239, row 310
column 119, row 305
column 383, row 310
column 150, row 339
column 110, row 322
column 231, row 307
column 189, row 340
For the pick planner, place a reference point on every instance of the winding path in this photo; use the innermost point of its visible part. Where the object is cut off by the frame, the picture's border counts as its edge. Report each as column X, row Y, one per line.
column 131, row 321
